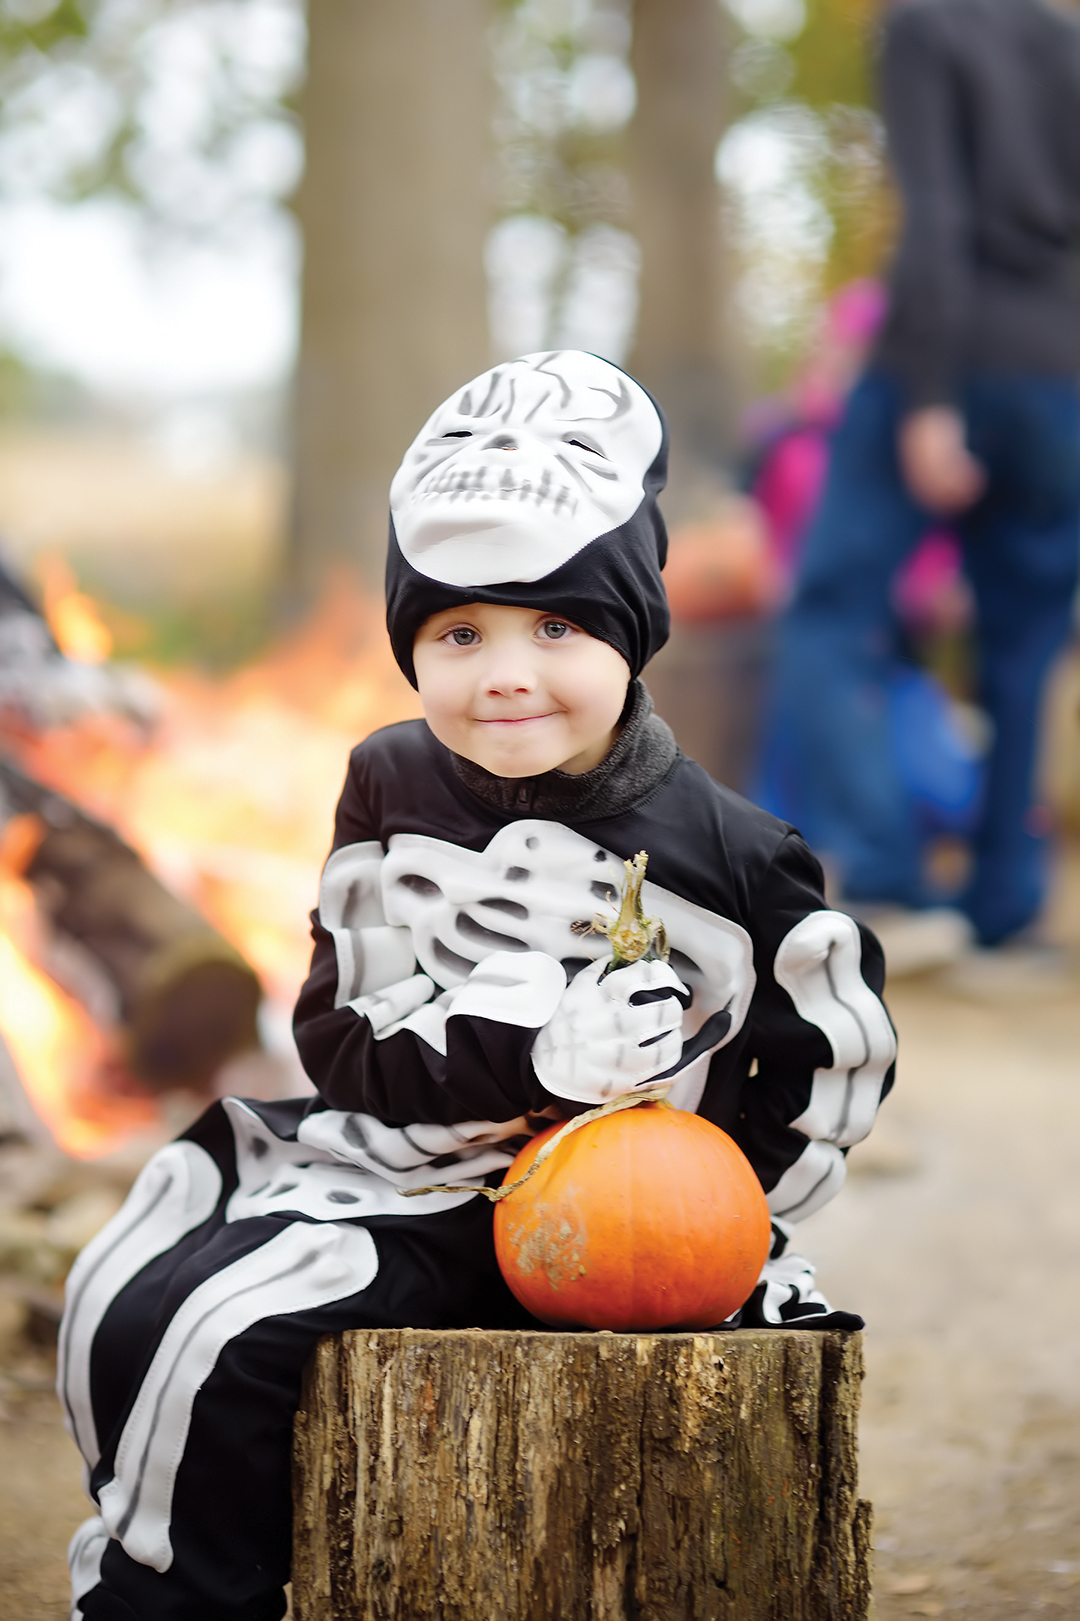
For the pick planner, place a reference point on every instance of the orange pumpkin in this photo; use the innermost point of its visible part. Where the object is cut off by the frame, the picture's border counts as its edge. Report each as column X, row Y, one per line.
column 648, row 1218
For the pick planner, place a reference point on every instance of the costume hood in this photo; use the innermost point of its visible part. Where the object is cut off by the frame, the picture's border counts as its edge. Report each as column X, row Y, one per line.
column 535, row 486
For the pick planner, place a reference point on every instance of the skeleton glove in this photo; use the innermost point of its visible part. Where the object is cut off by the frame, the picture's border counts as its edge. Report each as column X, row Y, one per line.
column 609, row 1036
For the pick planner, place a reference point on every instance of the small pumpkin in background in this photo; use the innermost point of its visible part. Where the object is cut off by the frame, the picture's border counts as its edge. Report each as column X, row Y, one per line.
column 723, row 568
column 644, row 1218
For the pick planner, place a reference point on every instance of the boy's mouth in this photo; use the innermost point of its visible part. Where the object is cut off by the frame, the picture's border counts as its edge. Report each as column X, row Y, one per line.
column 513, row 720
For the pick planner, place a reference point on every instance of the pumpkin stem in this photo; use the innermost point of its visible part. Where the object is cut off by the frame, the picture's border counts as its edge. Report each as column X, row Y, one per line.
column 647, row 1094
column 633, row 936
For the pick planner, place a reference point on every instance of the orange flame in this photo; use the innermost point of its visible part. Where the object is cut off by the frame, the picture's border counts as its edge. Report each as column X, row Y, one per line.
column 231, row 803
column 57, row 1049
column 72, row 617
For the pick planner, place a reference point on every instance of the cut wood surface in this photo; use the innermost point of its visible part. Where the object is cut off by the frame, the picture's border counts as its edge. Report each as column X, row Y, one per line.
column 519, row 1476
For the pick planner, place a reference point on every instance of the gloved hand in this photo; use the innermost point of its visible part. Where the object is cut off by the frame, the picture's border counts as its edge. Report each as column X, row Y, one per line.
column 786, row 1297
column 611, row 1036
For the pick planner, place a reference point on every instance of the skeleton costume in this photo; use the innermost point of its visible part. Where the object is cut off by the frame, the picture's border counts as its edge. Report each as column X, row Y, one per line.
column 452, row 995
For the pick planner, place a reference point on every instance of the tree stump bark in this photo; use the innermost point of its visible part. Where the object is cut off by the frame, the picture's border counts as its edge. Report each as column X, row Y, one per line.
column 580, row 1477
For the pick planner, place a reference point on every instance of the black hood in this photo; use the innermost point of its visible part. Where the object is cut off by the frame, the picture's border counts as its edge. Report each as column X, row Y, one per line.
column 610, row 586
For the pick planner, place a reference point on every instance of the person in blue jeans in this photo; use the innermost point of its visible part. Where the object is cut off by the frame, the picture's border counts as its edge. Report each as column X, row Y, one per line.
column 970, row 408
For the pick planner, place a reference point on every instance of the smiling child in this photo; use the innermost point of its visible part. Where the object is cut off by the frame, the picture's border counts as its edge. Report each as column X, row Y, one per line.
column 454, row 999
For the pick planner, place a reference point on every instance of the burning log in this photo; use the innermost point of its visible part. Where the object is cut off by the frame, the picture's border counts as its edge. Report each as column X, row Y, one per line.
column 183, row 999
column 514, row 1475
column 41, row 687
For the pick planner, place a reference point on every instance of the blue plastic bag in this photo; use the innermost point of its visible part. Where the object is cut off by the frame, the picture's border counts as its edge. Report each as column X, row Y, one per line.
column 938, row 762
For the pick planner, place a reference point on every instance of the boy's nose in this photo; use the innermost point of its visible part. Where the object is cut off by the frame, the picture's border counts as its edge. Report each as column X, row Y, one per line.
column 507, row 674
column 509, row 682
column 502, row 441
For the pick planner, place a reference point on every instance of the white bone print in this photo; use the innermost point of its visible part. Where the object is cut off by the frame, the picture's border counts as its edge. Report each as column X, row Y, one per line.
column 819, row 965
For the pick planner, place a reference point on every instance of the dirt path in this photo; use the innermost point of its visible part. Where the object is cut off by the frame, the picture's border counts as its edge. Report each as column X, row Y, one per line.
column 958, row 1238
column 41, row 1503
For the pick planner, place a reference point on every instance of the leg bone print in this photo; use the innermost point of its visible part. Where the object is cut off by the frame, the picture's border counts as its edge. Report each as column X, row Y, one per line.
column 174, row 1193
column 305, row 1265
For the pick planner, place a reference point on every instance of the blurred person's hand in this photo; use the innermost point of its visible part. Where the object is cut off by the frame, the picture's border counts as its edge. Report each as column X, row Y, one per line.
column 940, row 472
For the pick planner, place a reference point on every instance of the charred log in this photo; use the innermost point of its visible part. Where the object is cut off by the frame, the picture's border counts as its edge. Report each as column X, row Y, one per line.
column 183, row 998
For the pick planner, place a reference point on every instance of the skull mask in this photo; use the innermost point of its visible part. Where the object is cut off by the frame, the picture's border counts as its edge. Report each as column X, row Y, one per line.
column 520, row 469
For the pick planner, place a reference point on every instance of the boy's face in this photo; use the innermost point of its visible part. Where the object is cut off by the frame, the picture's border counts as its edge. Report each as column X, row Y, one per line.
column 519, row 692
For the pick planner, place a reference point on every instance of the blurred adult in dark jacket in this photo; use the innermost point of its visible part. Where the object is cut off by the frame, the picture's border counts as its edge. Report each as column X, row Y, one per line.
column 969, row 410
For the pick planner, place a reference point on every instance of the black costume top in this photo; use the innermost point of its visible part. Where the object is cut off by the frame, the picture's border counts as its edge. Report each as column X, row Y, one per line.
column 449, row 923
column 982, row 107
column 453, row 966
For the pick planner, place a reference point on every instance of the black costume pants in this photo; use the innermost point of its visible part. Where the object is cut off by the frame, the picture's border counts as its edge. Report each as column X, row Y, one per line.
column 229, row 1518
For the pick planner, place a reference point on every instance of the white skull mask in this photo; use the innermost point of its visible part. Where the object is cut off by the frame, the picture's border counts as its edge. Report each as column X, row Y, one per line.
column 526, row 892
column 523, row 467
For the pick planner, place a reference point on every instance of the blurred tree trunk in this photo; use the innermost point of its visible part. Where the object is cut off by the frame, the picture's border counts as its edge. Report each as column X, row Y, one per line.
column 394, row 210
column 679, row 59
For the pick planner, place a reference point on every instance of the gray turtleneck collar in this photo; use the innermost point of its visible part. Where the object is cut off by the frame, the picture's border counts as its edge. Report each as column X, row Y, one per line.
column 634, row 767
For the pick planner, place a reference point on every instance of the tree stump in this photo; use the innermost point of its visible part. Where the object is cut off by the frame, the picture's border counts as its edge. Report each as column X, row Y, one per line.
column 468, row 1474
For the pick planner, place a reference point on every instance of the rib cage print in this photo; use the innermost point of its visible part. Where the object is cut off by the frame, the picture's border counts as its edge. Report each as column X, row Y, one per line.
column 530, row 895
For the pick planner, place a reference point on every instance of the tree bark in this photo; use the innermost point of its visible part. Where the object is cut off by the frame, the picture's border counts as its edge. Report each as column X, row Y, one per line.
column 548, row 1476
column 394, row 209
column 679, row 59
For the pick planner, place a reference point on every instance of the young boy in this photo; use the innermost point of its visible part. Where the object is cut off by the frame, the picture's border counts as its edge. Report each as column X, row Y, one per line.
column 453, row 998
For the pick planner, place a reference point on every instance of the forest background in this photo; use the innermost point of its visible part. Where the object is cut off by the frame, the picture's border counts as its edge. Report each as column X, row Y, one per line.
column 431, row 187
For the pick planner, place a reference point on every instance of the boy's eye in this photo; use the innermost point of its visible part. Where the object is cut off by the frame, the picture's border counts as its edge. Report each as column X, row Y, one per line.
column 458, row 433
column 555, row 629
column 463, row 636
column 592, row 449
